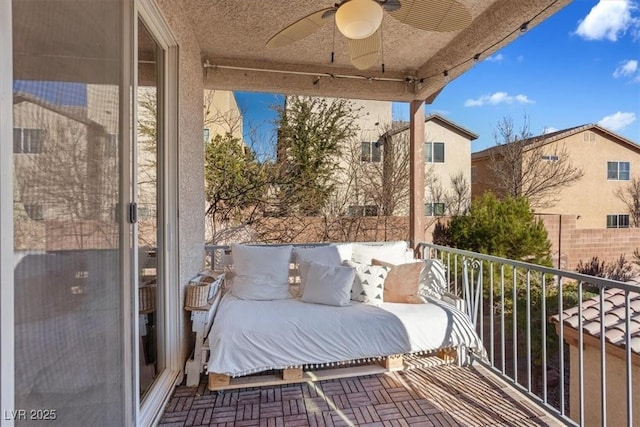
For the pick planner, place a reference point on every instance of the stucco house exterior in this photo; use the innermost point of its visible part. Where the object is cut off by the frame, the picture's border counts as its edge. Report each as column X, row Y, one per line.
column 82, row 360
column 221, row 114
column 612, row 314
column 447, row 155
column 592, row 198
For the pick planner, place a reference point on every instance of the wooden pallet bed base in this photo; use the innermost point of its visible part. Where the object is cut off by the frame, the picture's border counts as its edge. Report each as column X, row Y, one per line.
column 392, row 363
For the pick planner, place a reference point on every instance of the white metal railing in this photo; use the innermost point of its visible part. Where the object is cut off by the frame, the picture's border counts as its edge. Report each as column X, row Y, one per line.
column 514, row 306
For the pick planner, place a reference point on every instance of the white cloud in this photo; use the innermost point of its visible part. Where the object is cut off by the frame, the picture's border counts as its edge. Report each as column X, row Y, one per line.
column 628, row 68
column 609, row 19
column 495, row 58
column 618, row 121
column 497, row 98
column 549, row 129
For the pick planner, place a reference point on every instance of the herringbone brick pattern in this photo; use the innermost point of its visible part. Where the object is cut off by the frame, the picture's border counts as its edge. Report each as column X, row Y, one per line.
column 438, row 396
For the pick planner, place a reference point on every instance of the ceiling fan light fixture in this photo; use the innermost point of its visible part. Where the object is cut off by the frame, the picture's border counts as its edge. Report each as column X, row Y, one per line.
column 359, row 19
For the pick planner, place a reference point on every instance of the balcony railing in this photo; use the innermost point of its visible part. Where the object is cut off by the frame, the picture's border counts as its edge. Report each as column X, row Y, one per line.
column 564, row 355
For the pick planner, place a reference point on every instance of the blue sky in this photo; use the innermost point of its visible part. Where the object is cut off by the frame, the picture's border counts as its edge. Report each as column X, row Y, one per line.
column 579, row 66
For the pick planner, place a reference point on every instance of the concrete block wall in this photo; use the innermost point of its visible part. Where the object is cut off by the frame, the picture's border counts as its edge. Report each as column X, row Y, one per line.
column 577, row 244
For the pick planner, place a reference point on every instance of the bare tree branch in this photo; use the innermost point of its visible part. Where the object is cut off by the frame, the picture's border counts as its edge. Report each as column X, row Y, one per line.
column 630, row 196
column 529, row 167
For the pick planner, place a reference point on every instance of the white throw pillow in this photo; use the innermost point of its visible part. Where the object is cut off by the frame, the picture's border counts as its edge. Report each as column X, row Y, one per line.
column 368, row 284
column 326, row 255
column 328, row 284
column 392, row 252
column 261, row 272
column 345, row 250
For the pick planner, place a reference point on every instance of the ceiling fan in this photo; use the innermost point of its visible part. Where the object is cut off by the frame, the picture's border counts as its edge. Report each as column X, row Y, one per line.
column 359, row 21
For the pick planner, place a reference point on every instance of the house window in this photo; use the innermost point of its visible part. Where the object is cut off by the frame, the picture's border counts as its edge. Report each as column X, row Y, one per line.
column 207, row 135
column 589, row 136
column 363, row 210
column 27, row 141
column 370, row 152
column 550, row 158
column 618, row 171
column 617, row 221
column 34, row 211
column 474, row 174
column 434, row 209
column 434, row 152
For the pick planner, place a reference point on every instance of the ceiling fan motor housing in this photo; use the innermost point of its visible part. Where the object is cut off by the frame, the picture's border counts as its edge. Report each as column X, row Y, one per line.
column 359, row 19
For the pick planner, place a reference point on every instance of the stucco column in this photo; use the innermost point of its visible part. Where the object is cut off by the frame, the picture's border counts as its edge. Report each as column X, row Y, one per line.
column 416, row 172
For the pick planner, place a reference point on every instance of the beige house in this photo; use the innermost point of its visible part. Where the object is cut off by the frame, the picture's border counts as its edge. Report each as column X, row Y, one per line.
column 221, row 114
column 447, row 157
column 615, row 358
column 591, row 199
column 57, row 151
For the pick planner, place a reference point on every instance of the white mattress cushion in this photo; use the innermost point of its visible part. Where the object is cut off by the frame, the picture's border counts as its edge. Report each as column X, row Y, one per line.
column 329, row 285
column 261, row 272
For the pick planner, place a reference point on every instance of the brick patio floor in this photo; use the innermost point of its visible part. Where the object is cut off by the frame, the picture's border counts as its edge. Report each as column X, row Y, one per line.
column 433, row 396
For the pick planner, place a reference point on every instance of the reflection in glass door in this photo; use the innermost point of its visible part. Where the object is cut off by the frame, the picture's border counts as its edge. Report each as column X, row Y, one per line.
column 69, row 148
column 149, row 151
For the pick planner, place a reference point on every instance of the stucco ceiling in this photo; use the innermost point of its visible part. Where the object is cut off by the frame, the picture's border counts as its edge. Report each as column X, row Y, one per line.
column 232, row 35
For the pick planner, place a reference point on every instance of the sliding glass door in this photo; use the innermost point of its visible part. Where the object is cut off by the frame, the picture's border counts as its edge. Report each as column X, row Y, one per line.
column 149, row 158
column 72, row 243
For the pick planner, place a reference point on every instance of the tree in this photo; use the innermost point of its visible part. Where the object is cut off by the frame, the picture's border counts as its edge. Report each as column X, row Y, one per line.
column 630, row 196
column 234, row 179
column 311, row 132
column 529, row 167
column 505, row 228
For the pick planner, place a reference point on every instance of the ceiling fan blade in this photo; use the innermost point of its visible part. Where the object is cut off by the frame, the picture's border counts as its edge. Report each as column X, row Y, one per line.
column 300, row 29
column 364, row 52
column 433, row 15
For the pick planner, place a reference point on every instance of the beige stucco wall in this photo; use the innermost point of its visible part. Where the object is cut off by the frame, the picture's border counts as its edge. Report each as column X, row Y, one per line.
column 457, row 155
column 616, row 379
column 190, row 154
column 592, row 198
column 221, row 113
column 373, row 119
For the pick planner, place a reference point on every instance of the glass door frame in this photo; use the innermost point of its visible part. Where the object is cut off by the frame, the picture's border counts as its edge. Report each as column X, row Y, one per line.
column 7, row 336
column 169, row 335
column 134, row 412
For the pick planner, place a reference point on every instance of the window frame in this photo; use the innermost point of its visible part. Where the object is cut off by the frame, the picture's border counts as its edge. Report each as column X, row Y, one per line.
column 370, row 152
column 28, row 140
column 430, row 151
column 434, row 209
column 617, row 221
column 362, row 210
column 620, row 175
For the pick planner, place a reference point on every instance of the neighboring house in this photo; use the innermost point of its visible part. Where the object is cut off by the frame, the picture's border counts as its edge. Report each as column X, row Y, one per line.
column 63, row 164
column 361, row 161
column 447, row 154
column 615, row 357
column 591, row 199
column 221, row 114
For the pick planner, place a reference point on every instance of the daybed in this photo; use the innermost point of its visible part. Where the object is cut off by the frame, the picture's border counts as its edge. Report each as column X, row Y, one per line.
column 334, row 309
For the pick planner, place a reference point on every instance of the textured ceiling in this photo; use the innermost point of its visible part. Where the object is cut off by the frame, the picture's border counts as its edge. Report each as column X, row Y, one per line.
column 233, row 33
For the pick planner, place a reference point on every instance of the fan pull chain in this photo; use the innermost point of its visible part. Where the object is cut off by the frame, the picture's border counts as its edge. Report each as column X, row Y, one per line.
column 333, row 42
column 382, row 46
